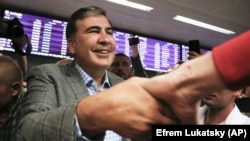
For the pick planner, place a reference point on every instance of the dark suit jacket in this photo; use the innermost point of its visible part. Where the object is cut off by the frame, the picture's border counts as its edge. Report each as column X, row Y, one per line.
column 8, row 130
column 50, row 102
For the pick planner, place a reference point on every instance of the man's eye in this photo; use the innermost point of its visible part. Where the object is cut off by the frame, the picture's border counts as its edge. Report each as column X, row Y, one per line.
column 94, row 31
column 115, row 64
column 110, row 32
column 125, row 64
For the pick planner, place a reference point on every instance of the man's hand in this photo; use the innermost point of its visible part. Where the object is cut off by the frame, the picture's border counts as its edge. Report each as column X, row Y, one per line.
column 125, row 108
column 20, row 42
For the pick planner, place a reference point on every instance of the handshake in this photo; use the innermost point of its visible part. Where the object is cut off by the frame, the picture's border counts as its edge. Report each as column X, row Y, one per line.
column 134, row 40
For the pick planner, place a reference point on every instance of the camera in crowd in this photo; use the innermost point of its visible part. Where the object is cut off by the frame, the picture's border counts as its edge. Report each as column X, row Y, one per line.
column 133, row 40
column 14, row 29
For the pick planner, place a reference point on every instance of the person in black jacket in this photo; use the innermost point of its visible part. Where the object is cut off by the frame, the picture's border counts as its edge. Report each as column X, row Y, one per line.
column 125, row 66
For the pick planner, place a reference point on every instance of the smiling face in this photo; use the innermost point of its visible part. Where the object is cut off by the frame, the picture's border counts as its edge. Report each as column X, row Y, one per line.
column 93, row 45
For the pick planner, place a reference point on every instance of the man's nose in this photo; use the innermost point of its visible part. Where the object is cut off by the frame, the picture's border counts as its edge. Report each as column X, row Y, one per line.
column 120, row 66
column 104, row 37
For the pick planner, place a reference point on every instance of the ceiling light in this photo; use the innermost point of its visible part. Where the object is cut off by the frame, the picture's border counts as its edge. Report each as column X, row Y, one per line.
column 202, row 24
column 132, row 4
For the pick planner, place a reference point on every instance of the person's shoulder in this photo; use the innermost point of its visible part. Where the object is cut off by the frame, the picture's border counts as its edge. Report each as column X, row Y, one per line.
column 245, row 119
column 42, row 67
column 237, row 117
column 48, row 69
column 47, row 65
column 50, row 66
column 112, row 76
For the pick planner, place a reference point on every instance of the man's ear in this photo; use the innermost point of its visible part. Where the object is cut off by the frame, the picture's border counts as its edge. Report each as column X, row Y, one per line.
column 238, row 92
column 71, row 45
column 132, row 71
column 16, row 88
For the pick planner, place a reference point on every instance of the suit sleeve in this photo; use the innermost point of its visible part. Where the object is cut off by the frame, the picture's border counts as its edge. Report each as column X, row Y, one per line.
column 47, row 115
column 232, row 60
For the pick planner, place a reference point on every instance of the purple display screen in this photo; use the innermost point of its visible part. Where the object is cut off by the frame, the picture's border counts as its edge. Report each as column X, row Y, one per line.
column 184, row 52
column 47, row 35
column 48, row 39
column 205, row 51
column 156, row 55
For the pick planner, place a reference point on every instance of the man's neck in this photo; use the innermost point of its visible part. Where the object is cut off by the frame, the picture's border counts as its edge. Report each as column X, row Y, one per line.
column 217, row 116
column 97, row 74
column 4, row 117
column 4, row 114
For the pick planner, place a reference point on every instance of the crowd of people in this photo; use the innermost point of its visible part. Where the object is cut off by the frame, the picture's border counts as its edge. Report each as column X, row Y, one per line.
column 94, row 96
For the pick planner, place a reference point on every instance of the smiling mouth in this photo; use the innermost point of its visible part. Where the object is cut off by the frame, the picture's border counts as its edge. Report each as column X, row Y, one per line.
column 101, row 51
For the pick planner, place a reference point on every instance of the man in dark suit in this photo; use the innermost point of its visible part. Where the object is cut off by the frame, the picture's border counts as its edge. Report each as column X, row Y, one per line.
column 73, row 101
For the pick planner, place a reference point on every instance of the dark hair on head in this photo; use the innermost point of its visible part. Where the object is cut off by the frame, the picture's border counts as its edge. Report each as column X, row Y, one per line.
column 80, row 14
column 122, row 54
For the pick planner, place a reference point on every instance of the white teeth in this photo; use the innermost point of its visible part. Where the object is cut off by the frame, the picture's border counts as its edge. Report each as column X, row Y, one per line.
column 104, row 51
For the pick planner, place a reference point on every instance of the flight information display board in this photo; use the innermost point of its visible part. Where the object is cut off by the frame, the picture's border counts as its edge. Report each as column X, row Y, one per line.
column 204, row 51
column 184, row 52
column 47, row 35
column 156, row 55
column 48, row 39
column 185, row 49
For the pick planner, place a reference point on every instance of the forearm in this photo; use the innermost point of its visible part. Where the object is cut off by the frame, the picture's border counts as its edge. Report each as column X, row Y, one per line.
column 232, row 61
column 135, row 51
column 193, row 79
column 90, row 126
column 19, row 44
column 23, row 63
column 138, row 68
column 185, row 86
column 226, row 67
column 198, row 77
